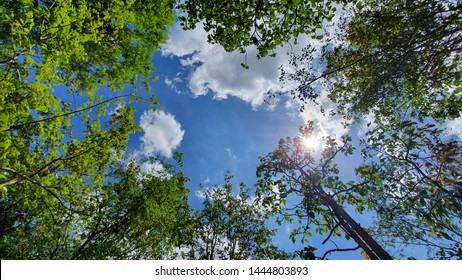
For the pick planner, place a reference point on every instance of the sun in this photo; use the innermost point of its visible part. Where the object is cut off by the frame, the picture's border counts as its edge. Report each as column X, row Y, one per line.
column 310, row 142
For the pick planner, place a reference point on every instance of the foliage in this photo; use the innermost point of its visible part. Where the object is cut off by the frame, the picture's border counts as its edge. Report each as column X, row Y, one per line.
column 398, row 62
column 66, row 193
column 414, row 64
column 311, row 193
column 232, row 226
column 83, row 44
column 415, row 186
column 78, row 44
column 235, row 25
column 134, row 215
column 390, row 55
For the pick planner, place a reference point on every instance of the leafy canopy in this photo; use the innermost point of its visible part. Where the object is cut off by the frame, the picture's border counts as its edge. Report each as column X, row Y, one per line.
column 398, row 62
column 310, row 193
column 231, row 226
column 236, row 25
column 67, row 190
column 390, row 56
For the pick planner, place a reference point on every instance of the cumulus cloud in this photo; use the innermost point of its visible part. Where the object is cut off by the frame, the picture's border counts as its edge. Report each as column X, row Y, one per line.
column 154, row 168
column 215, row 71
column 162, row 133
column 172, row 83
column 220, row 73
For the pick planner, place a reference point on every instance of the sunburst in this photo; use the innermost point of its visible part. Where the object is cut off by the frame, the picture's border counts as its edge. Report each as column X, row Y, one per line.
column 311, row 142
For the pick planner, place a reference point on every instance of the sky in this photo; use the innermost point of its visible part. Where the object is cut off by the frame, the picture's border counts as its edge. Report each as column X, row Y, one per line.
column 214, row 112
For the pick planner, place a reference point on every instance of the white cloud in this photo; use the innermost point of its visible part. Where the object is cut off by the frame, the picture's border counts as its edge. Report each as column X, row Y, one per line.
column 220, row 73
column 368, row 124
column 217, row 72
column 455, row 127
column 114, row 110
column 153, row 168
column 168, row 82
column 162, row 133
column 326, row 124
column 200, row 194
column 172, row 83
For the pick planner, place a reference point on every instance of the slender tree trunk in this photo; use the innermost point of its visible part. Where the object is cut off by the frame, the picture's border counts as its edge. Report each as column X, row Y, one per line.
column 348, row 224
column 355, row 230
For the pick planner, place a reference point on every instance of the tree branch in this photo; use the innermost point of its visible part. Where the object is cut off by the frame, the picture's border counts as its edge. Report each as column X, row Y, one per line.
column 339, row 250
column 330, row 233
column 66, row 114
column 27, row 178
column 89, row 238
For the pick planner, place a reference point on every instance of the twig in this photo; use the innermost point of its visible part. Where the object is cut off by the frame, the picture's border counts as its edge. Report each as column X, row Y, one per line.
column 331, row 232
column 339, row 250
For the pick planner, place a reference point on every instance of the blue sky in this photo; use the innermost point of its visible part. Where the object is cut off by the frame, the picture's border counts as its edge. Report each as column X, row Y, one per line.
column 213, row 111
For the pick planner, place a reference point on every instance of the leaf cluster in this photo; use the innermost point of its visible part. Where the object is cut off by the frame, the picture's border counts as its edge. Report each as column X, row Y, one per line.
column 266, row 25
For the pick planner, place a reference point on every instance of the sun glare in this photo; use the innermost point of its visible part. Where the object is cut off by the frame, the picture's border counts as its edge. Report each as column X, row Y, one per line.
column 310, row 142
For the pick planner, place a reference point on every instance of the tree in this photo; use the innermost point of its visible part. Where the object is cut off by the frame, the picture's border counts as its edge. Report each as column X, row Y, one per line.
column 232, row 226
column 291, row 172
column 412, row 179
column 395, row 60
column 380, row 65
column 83, row 44
column 407, row 78
column 125, row 218
column 78, row 44
column 65, row 192
column 235, row 25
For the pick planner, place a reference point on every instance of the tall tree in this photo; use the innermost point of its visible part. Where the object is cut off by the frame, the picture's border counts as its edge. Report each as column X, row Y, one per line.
column 292, row 173
column 390, row 56
column 65, row 194
column 399, row 62
column 231, row 226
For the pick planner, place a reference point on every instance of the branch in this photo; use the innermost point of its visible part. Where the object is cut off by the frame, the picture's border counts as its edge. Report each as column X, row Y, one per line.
column 348, row 189
column 339, row 250
column 426, row 177
column 13, row 58
column 338, row 149
column 89, row 238
column 27, row 178
column 11, row 182
column 7, row 61
column 330, row 233
column 348, row 224
column 66, row 114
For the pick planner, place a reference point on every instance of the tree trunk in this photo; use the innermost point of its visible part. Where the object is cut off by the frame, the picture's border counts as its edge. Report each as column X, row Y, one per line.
column 348, row 224
column 355, row 230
